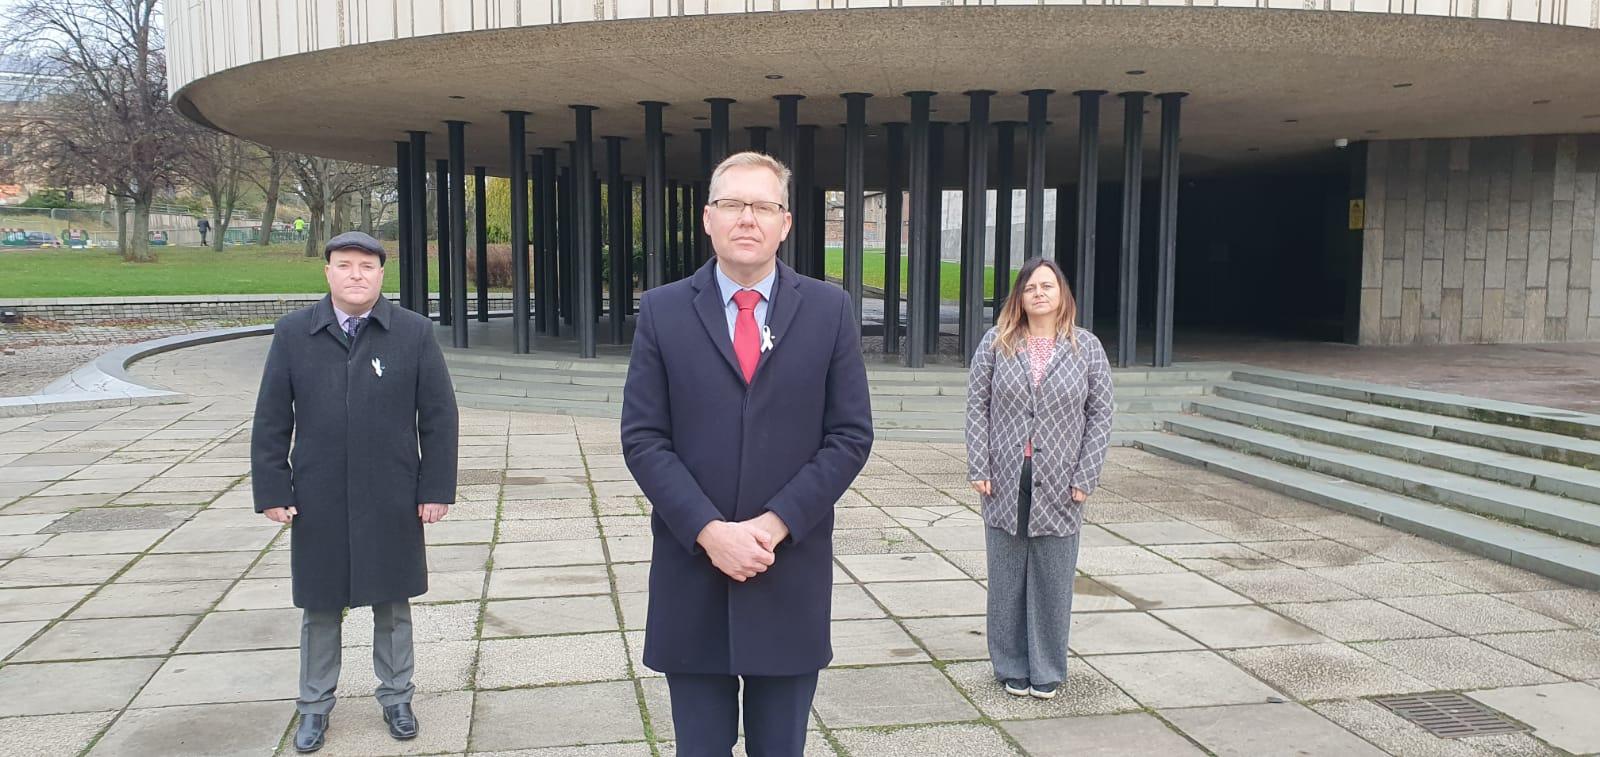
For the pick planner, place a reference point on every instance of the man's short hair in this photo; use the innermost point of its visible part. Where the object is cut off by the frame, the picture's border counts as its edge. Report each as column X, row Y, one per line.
column 751, row 158
column 355, row 240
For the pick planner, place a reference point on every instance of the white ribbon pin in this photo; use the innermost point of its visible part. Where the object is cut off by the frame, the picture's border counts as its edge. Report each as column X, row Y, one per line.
column 377, row 367
column 766, row 338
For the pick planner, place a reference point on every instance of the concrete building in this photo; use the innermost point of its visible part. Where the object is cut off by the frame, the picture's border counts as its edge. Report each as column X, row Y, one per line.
column 1372, row 171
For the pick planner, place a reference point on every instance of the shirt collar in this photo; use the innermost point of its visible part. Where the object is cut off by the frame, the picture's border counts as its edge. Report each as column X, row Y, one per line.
column 729, row 287
column 342, row 317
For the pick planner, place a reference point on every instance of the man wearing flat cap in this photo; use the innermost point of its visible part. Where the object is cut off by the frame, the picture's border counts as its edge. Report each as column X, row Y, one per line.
column 354, row 448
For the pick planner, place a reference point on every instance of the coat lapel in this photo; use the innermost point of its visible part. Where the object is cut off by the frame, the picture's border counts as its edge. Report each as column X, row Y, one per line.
column 713, row 315
column 785, row 303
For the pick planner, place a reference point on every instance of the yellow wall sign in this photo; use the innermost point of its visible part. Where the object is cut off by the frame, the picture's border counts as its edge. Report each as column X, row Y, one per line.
column 1358, row 214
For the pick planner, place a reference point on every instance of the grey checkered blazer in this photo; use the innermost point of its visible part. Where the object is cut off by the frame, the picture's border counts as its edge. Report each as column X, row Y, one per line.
column 1068, row 417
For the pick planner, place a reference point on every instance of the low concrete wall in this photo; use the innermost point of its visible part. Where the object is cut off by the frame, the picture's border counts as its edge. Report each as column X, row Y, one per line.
column 249, row 307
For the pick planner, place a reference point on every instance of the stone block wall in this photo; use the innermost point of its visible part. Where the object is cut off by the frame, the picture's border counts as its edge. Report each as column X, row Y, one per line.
column 1487, row 240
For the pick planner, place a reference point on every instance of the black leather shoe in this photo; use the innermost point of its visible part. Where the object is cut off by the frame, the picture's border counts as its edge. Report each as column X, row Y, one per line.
column 308, row 737
column 402, row 721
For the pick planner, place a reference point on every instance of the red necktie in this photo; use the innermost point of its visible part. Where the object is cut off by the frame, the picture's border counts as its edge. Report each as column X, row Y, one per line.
column 746, row 338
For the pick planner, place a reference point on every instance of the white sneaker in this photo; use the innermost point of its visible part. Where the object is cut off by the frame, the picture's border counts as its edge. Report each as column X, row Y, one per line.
column 1043, row 690
column 1017, row 687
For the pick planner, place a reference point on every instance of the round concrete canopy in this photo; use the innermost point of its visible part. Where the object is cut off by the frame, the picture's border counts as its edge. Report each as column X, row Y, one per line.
column 1265, row 86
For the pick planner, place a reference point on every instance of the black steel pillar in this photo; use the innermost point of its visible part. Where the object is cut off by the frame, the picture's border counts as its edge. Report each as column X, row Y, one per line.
column 855, row 198
column 549, row 235
column 458, row 233
column 719, row 130
column 935, row 221
column 584, row 314
column 1005, row 162
column 893, row 204
column 481, row 242
column 805, row 175
column 402, row 175
column 654, row 199
column 540, row 254
column 628, row 271
column 441, row 208
column 975, row 217
column 564, row 244
column 517, row 130
column 1088, row 201
column 616, row 200
column 918, row 255
column 419, row 222
column 597, row 242
column 819, row 232
column 1033, row 210
column 1132, row 173
column 1167, row 233
column 788, row 144
column 758, row 138
column 674, row 238
column 701, row 188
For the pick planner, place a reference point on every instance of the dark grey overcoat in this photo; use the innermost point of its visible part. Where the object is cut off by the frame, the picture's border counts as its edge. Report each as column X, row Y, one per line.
column 367, row 449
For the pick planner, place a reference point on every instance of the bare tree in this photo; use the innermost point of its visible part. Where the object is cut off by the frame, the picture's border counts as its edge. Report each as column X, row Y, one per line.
column 326, row 185
column 218, row 165
column 267, row 175
column 104, row 119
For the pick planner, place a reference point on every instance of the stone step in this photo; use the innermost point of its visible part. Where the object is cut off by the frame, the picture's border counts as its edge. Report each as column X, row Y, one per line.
column 1513, row 414
column 1562, row 559
column 1557, row 515
column 1503, row 467
column 1540, row 445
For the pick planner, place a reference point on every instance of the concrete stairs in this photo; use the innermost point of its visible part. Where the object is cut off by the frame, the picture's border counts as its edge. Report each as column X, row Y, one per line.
column 1516, row 483
column 927, row 404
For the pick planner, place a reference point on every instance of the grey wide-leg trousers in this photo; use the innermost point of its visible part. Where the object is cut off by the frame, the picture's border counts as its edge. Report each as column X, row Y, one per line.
column 1030, row 599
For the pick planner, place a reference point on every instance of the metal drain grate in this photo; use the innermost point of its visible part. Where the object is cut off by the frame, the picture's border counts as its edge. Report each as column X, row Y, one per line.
column 1449, row 716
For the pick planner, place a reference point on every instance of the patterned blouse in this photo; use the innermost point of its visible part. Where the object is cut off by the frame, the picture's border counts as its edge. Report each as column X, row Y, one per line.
column 1040, row 350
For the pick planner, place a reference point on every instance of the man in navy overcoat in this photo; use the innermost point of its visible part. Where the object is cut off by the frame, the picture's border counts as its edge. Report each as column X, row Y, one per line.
column 745, row 418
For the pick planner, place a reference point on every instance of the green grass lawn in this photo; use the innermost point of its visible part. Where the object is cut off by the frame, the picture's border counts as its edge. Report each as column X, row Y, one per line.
column 280, row 269
column 872, row 273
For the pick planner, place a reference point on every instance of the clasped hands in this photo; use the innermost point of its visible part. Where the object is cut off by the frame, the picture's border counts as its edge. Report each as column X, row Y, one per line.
column 428, row 513
column 743, row 549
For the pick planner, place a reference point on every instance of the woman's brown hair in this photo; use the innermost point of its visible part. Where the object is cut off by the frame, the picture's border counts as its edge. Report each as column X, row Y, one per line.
column 1012, row 326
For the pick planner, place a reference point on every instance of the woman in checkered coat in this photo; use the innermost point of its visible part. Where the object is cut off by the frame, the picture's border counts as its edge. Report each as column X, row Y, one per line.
column 1039, row 410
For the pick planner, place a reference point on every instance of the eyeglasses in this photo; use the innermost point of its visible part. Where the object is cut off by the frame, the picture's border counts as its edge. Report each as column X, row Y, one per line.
column 763, row 210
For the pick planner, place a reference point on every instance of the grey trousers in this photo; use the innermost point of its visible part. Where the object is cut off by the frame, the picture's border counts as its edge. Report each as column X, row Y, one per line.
column 321, row 643
column 1030, row 602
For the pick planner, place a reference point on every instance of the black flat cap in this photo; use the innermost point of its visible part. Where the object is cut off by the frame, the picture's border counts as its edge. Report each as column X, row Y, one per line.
column 355, row 240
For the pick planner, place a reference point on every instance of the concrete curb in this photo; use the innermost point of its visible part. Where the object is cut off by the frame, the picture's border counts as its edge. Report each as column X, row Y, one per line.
column 105, row 382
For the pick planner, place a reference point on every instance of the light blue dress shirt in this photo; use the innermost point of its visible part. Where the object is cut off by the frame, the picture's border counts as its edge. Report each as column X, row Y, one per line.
column 729, row 287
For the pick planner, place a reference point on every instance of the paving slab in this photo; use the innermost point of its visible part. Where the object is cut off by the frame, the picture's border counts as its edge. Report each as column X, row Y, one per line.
column 1171, row 590
column 504, row 663
column 1252, row 730
column 223, row 677
column 106, row 638
column 924, row 566
column 1324, row 671
column 873, row 642
column 443, row 722
column 917, row 741
column 51, row 734
column 1358, row 620
column 1571, row 653
column 961, row 637
column 556, row 716
column 1242, row 626
column 40, row 603
column 918, row 599
column 1475, row 614
column 440, row 666
column 516, row 583
column 1121, row 632
column 849, row 697
column 51, row 688
column 238, row 729
column 1561, row 714
column 1456, row 663
column 553, row 615
column 1398, row 736
column 245, row 629
column 1181, row 679
column 1128, row 735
